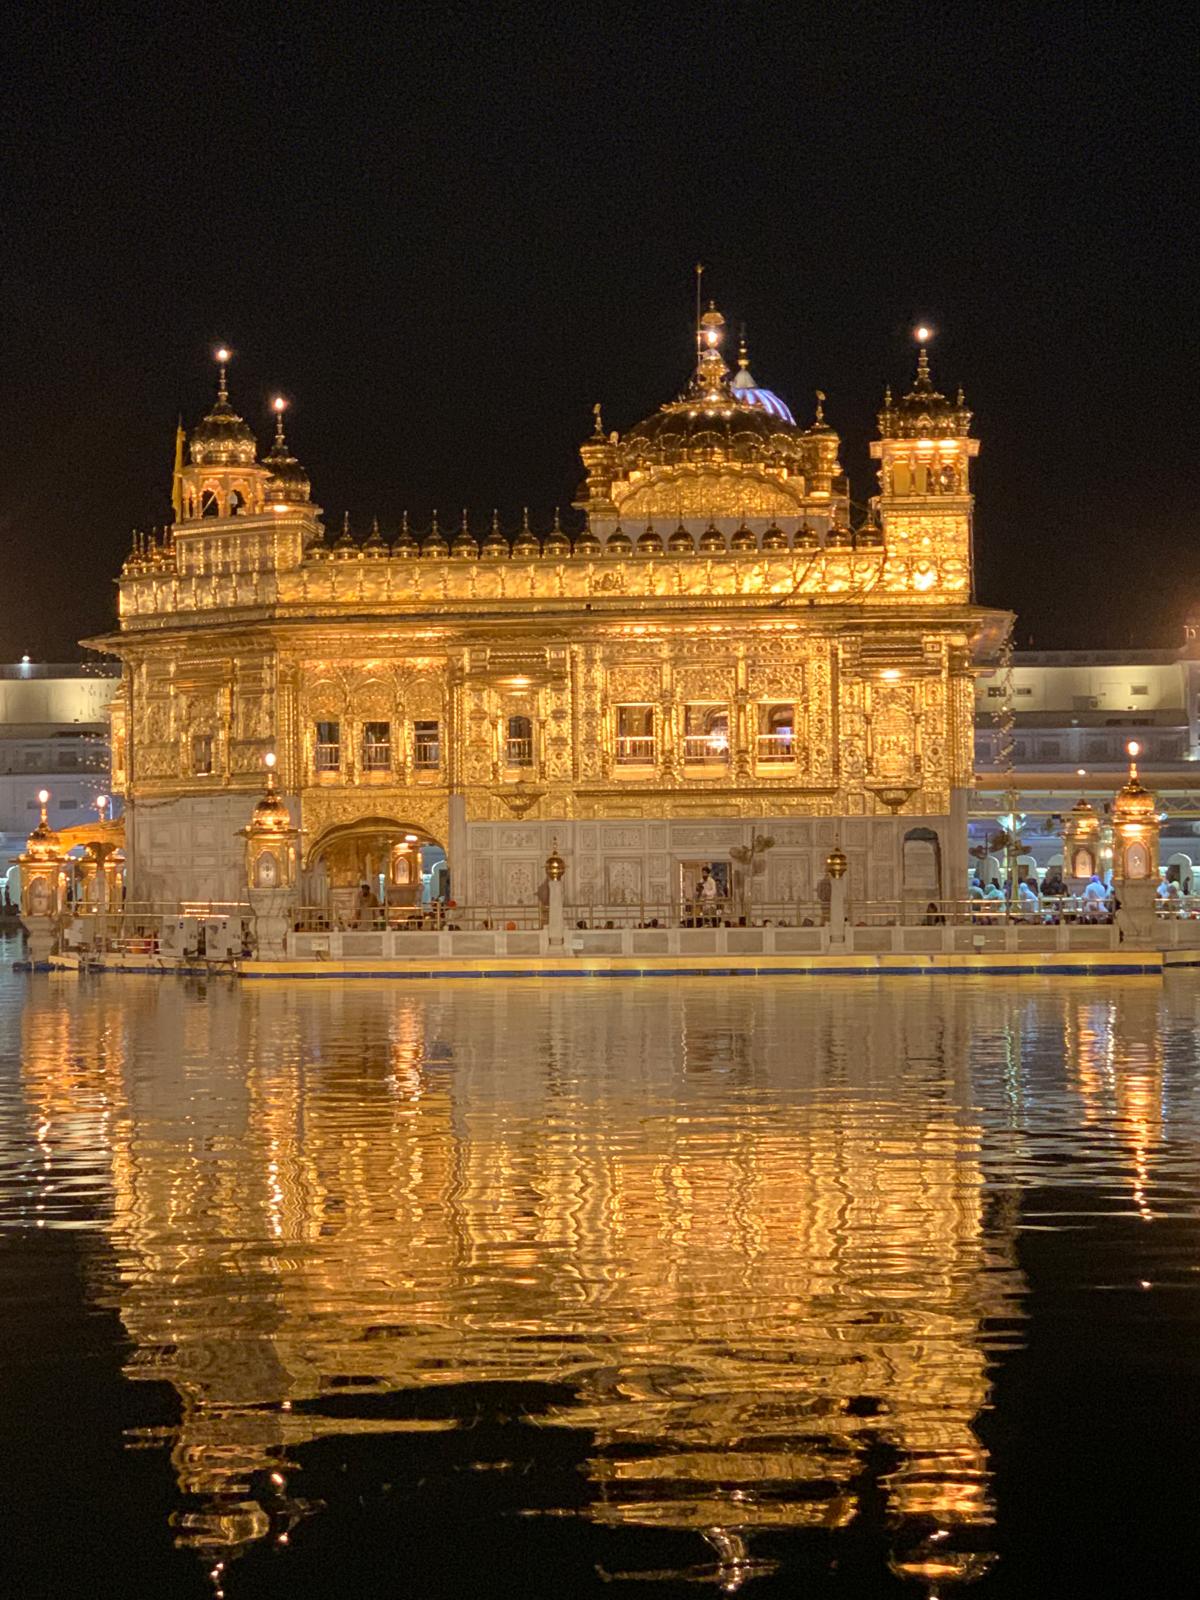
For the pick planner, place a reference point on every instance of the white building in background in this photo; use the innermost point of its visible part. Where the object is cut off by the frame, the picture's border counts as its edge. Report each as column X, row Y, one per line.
column 54, row 722
column 1074, row 714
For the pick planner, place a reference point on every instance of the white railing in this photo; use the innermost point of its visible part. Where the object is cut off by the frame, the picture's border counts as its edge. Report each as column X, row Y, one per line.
column 433, row 917
column 776, row 748
column 328, row 757
column 426, row 753
column 705, row 749
column 635, row 749
column 518, row 752
column 377, row 756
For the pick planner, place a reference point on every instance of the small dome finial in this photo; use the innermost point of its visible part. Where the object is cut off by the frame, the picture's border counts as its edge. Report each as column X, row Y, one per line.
column 223, row 355
column 820, row 416
column 279, row 406
column 923, row 333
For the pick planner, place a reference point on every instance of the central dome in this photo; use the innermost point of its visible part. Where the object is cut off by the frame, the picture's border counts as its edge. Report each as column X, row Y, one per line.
column 725, row 450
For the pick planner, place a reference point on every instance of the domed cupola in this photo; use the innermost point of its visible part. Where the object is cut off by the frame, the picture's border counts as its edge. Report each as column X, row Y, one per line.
column 726, row 450
column 289, row 483
column 586, row 545
column 924, row 412
column 556, row 543
column 224, row 477
column 223, row 439
column 405, row 546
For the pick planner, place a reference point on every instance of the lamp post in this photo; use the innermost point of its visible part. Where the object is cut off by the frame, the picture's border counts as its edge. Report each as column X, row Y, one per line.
column 40, row 867
column 1135, row 855
column 271, row 869
column 836, row 865
column 555, row 871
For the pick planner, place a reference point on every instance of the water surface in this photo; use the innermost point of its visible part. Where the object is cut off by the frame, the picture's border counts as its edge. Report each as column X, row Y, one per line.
column 870, row 1287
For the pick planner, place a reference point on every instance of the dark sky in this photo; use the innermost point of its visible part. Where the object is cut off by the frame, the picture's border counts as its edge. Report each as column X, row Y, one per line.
column 445, row 232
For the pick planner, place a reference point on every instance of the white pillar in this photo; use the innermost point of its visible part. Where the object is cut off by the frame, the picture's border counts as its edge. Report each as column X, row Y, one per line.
column 554, row 920
column 837, row 910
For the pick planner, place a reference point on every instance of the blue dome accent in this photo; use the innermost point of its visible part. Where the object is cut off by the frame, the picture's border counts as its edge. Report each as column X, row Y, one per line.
column 769, row 402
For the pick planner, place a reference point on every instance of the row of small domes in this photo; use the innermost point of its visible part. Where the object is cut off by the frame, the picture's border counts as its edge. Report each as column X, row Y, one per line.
column 496, row 545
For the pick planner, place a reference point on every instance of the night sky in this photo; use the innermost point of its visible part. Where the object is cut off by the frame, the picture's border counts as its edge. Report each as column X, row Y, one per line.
column 446, row 232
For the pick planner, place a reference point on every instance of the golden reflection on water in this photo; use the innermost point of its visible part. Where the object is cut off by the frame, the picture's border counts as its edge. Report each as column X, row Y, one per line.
column 752, row 1230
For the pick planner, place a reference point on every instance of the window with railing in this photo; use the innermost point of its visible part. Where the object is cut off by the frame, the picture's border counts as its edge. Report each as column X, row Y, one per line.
column 202, row 755
column 377, row 747
column 328, row 755
column 427, row 746
column 635, row 736
column 776, row 734
column 518, row 742
column 706, row 735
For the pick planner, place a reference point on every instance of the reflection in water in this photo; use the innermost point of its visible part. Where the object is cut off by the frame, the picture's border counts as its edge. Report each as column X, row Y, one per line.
column 757, row 1243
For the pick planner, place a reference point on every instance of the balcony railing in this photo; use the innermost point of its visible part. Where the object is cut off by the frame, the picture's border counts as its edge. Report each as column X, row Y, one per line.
column 635, row 750
column 518, row 752
column 377, row 757
column 776, row 748
column 427, row 754
column 328, row 757
column 706, row 749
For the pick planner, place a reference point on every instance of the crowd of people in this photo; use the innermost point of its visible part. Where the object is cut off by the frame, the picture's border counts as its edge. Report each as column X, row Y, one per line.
column 1053, row 900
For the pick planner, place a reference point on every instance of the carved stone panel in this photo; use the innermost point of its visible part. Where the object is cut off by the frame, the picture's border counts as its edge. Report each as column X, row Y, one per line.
column 623, row 882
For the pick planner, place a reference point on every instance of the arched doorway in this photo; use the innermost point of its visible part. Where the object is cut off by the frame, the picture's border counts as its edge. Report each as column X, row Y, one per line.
column 374, row 872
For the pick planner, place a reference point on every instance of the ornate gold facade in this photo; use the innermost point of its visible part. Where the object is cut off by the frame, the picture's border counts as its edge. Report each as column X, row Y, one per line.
column 739, row 653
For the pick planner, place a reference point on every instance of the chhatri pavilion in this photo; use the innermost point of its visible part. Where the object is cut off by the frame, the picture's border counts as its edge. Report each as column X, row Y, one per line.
column 721, row 652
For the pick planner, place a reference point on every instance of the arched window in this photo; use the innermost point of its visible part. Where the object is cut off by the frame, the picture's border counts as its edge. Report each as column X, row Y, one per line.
column 518, row 743
column 208, row 503
column 706, row 734
column 776, row 732
column 237, row 503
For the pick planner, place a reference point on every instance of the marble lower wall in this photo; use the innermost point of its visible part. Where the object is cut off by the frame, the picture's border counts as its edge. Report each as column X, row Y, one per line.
column 186, row 849
column 630, row 862
column 191, row 849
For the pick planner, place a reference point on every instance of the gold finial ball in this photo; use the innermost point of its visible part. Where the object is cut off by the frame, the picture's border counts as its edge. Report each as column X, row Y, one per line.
column 555, row 865
column 222, row 354
column 923, row 334
column 836, row 863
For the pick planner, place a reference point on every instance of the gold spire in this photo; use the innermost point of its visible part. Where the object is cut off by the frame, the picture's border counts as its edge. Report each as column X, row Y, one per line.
column 279, row 406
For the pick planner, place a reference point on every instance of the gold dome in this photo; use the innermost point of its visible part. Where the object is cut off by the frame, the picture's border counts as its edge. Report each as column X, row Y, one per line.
column 1134, row 802
column 556, row 542
column 289, row 483
column 405, row 545
column 222, row 438
column 43, row 843
column 725, row 448
column 270, row 814
column 923, row 412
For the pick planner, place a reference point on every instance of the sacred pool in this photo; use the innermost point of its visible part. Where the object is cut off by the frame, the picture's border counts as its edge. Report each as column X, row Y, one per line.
column 863, row 1287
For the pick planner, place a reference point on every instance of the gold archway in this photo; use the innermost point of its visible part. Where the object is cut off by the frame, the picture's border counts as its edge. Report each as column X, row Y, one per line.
column 362, row 830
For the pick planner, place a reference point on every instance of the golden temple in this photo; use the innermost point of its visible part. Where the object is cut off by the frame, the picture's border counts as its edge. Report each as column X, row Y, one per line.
column 716, row 653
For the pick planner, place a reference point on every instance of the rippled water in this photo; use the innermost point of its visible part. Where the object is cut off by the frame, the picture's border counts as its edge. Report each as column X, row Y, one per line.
column 855, row 1289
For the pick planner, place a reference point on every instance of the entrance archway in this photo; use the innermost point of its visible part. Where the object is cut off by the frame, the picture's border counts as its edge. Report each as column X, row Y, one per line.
column 374, row 872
